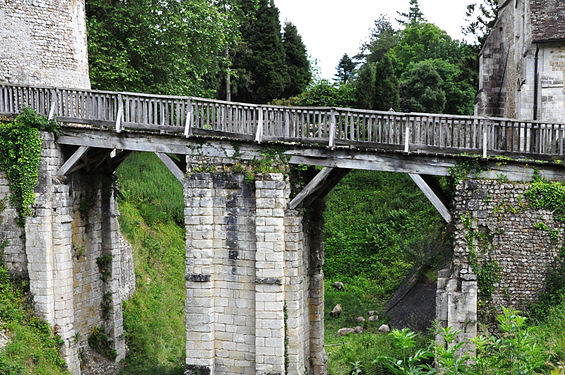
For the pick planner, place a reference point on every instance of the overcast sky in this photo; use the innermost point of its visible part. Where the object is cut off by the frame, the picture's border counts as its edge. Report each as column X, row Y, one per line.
column 331, row 28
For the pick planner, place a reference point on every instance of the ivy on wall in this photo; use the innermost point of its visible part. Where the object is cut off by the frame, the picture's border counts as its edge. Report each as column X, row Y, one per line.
column 20, row 151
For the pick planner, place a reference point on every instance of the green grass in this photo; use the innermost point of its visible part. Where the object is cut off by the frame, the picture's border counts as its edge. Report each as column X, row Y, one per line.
column 33, row 348
column 154, row 319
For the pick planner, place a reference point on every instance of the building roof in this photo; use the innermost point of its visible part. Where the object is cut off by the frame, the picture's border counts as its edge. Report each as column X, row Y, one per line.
column 548, row 20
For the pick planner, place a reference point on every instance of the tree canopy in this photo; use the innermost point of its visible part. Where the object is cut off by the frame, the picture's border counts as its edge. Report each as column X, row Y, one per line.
column 171, row 47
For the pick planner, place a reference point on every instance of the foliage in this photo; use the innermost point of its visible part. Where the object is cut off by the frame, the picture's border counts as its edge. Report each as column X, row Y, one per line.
column 353, row 352
column 168, row 47
column 260, row 60
column 386, row 86
column 414, row 15
column 325, row 93
column 101, row 343
column 421, row 89
column 548, row 196
column 487, row 270
column 297, row 64
column 104, row 263
column 365, row 86
column 345, row 69
column 20, row 151
column 33, row 347
column 376, row 225
column 554, row 291
column 515, row 350
column 142, row 183
column 154, row 322
column 481, row 17
column 382, row 39
column 437, row 73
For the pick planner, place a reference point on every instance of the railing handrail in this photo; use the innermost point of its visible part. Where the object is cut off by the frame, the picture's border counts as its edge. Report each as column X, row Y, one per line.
column 329, row 126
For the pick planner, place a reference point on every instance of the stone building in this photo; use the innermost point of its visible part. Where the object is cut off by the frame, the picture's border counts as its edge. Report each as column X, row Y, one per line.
column 522, row 63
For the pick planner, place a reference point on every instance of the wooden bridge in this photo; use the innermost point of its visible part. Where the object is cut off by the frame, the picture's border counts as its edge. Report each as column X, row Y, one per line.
column 421, row 133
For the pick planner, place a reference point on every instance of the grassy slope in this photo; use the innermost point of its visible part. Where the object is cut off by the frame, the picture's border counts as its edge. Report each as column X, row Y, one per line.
column 377, row 216
column 376, row 225
column 33, row 348
column 154, row 317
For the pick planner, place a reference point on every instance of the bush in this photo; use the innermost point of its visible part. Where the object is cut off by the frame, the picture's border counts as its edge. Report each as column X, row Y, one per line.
column 515, row 350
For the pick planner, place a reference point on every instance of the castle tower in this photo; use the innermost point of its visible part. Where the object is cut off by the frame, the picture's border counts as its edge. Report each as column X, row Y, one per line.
column 43, row 43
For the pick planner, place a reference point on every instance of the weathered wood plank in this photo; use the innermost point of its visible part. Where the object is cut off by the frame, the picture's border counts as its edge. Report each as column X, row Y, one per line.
column 432, row 197
column 75, row 157
column 171, row 166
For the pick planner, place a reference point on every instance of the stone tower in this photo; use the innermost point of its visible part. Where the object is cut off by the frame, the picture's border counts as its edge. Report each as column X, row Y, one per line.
column 43, row 43
column 522, row 63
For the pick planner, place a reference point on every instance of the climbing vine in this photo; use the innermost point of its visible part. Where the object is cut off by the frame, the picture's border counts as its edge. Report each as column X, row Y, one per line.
column 487, row 269
column 464, row 168
column 547, row 195
column 20, row 152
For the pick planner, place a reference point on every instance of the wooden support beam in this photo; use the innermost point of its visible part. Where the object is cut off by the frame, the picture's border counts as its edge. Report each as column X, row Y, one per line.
column 73, row 160
column 118, row 159
column 170, row 164
column 432, row 197
column 319, row 186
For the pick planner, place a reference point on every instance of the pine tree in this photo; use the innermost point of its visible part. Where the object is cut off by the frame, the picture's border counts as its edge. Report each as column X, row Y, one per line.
column 297, row 64
column 386, row 86
column 414, row 14
column 345, row 69
column 260, row 59
column 365, row 86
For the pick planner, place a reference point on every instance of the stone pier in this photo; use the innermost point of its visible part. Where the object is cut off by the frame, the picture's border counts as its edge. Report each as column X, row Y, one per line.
column 250, row 306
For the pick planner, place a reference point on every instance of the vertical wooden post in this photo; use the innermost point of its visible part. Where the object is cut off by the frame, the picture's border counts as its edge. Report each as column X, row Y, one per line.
column 259, row 130
column 407, row 135
column 331, row 142
column 188, row 120
column 119, row 115
column 53, row 104
column 485, row 139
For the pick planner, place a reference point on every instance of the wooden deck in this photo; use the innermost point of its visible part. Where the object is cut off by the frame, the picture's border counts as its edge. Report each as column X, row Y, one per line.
column 178, row 116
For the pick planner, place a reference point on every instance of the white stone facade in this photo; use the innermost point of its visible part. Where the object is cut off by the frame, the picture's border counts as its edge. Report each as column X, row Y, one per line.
column 43, row 43
column 520, row 76
column 249, row 307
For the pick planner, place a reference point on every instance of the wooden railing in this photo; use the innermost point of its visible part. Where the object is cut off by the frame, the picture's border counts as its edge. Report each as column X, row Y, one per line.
column 331, row 127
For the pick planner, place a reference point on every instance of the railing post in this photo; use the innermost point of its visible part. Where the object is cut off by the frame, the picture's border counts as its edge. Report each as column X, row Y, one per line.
column 331, row 142
column 188, row 121
column 53, row 104
column 119, row 115
column 407, row 135
column 259, row 130
column 485, row 139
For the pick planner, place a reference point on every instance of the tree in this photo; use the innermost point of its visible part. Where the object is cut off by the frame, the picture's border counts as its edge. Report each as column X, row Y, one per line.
column 260, row 60
column 158, row 46
column 326, row 94
column 383, row 37
column 297, row 64
column 414, row 14
column 365, row 86
column 481, row 18
column 422, row 89
column 386, row 94
column 345, row 69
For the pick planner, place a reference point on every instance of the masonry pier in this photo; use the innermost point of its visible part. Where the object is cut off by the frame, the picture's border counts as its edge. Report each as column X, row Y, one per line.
column 254, row 302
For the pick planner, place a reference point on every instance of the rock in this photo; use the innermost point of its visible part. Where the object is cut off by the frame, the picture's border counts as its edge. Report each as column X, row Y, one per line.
column 345, row 331
column 384, row 328
column 373, row 318
column 336, row 312
column 4, row 339
column 360, row 319
column 338, row 285
column 372, row 312
column 358, row 329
